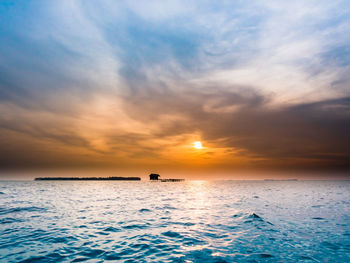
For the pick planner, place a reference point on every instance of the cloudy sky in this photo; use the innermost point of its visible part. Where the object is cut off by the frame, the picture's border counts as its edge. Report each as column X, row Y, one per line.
column 133, row 84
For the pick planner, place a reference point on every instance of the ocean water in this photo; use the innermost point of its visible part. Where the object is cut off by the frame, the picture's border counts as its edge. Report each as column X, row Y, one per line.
column 191, row 221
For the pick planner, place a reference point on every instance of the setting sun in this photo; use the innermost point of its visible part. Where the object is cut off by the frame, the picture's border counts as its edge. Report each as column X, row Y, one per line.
column 198, row 145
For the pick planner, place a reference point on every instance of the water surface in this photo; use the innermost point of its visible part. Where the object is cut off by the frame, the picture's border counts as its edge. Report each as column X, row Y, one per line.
column 192, row 221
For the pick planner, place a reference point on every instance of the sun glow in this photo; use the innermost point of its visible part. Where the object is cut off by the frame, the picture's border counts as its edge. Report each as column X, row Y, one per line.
column 197, row 145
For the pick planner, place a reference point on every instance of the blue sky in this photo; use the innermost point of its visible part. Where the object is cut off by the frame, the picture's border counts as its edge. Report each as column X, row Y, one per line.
column 123, row 83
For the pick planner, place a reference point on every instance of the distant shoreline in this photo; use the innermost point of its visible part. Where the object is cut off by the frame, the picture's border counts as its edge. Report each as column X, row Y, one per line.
column 87, row 179
column 292, row 179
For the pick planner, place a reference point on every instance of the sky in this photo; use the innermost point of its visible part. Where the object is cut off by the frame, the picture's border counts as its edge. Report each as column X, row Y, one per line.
column 132, row 85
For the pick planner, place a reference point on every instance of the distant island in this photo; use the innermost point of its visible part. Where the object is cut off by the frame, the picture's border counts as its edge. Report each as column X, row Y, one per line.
column 87, row 179
column 292, row 179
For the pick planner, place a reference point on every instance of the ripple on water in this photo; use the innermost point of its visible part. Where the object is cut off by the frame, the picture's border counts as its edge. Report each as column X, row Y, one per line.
column 111, row 255
column 182, row 223
column 9, row 220
column 330, row 245
column 318, row 218
column 34, row 259
column 4, row 211
column 237, row 215
column 91, row 252
column 111, row 229
column 265, row 255
column 202, row 255
column 167, row 207
column 136, row 226
column 140, row 246
column 144, row 210
column 172, row 234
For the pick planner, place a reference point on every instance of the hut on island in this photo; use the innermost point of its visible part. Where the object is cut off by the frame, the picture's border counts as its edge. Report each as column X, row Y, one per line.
column 154, row 176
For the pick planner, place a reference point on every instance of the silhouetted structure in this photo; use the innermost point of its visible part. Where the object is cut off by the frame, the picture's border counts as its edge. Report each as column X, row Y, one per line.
column 87, row 179
column 171, row 180
column 154, row 176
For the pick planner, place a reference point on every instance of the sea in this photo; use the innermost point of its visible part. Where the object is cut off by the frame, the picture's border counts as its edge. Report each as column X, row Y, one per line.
column 190, row 221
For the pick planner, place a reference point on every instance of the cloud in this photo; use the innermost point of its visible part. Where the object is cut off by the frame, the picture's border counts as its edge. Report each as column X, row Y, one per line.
column 242, row 120
column 125, row 84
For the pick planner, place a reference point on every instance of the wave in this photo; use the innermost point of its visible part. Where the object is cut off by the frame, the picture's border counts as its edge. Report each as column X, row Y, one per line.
column 256, row 218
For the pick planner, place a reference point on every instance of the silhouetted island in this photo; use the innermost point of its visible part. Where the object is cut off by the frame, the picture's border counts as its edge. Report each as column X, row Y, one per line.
column 87, row 179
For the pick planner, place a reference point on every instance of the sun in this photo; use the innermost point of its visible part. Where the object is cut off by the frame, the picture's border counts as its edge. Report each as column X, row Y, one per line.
column 197, row 145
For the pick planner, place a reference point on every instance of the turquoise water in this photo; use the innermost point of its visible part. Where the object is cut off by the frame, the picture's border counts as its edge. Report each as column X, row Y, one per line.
column 192, row 221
